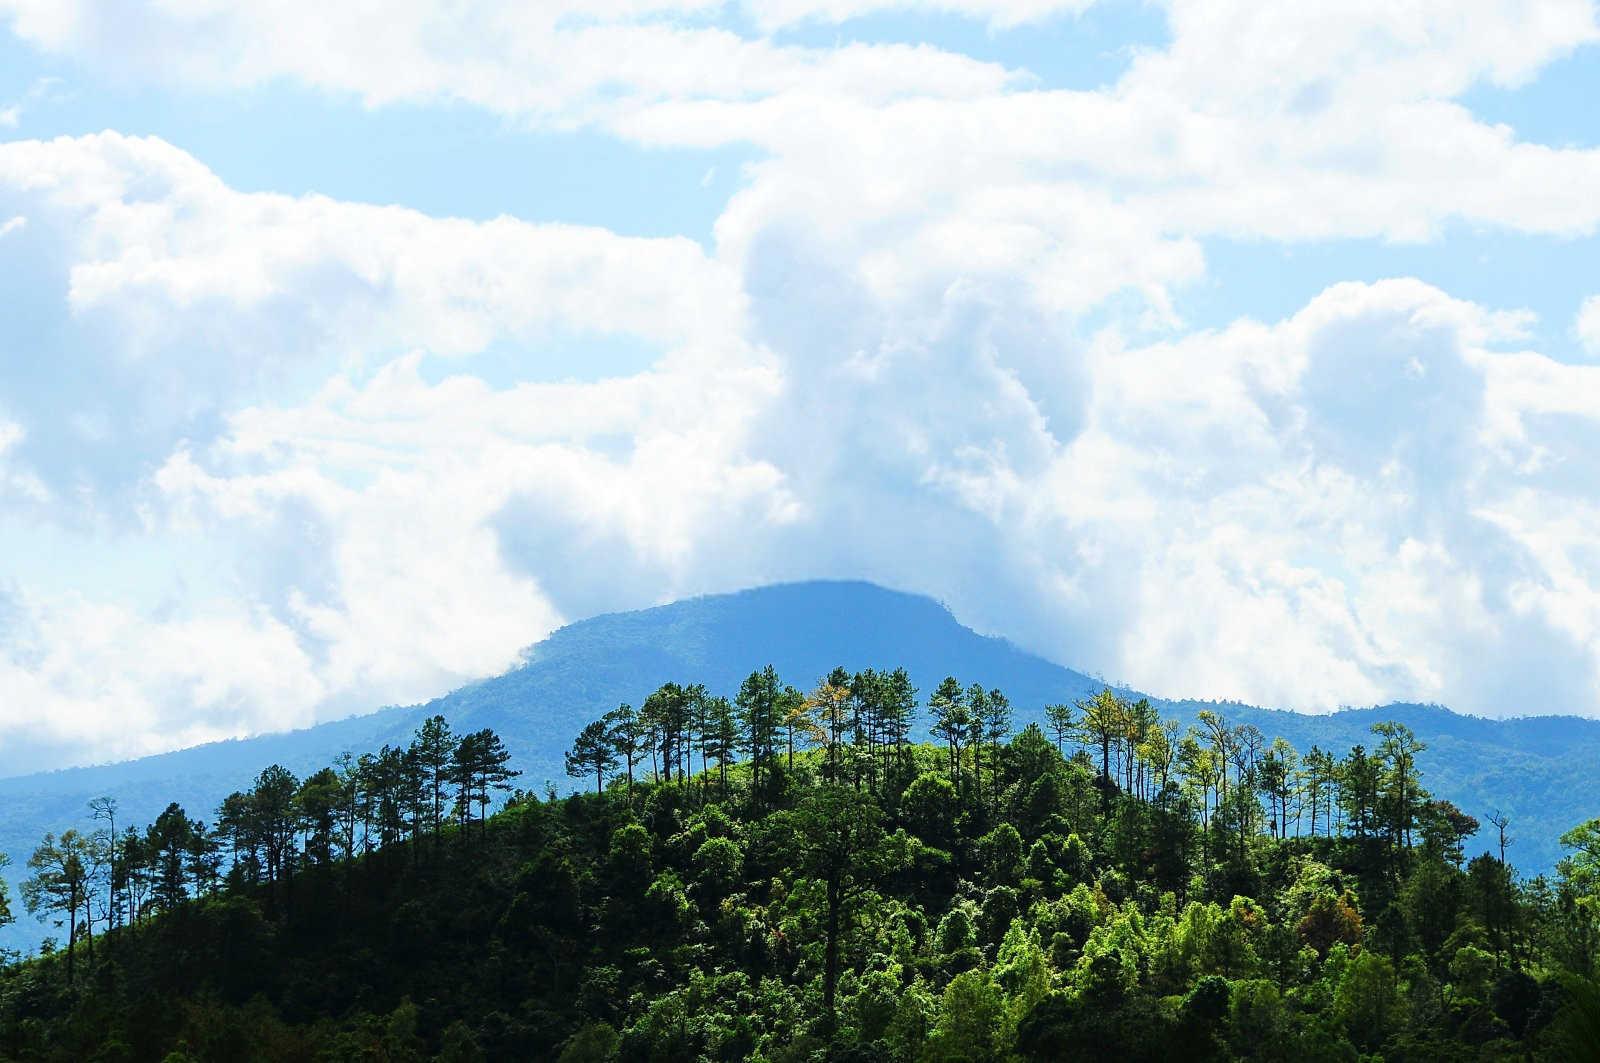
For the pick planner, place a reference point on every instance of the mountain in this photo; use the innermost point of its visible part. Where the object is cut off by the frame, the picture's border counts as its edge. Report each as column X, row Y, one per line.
column 1539, row 770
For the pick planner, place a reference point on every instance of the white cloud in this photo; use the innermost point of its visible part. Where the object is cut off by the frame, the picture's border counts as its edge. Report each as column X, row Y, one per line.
column 1313, row 488
column 444, row 519
column 157, row 240
column 1288, row 122
column 1358, row 503
column 381, row 480
column 776, row 14
column 885, row 367
column 85, row 681
column 1587, row 325
column 184, row 298
column 555, row 62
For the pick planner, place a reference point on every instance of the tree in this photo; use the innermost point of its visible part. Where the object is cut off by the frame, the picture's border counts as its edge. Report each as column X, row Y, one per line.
column 6, row 915
column 1220, row 737
column 972, row 1021
column 1317, row 772
column 836, row 837
column 722, row 737
column 627, row 736
column 133, row 873
column 272, row 814
column 1138, row 721
column 482, row 764
column 801, row 724
column 1399, row 749
column 829, row 703
column 761, row 702
column 317, row 806
column 170, row 840
column 671, row 709
column 997, row 723
column 1100, row 722
column 699, row 712
column 898, row 710
column 1277, row 774
column 1365, row 1000
column 1445, row 829
column 869, row 692
column 592, row 753
column 1062, row 724
column 105, row 809
column 204, row 859
column 60, row 872
column 435, row 753
column 1359, row 785
column 948, row 705
column 351, row 772
column 977, row 713
column 1501, row 822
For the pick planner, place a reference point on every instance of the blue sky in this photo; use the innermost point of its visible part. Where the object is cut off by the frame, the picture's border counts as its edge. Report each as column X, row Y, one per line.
column 1226, row 350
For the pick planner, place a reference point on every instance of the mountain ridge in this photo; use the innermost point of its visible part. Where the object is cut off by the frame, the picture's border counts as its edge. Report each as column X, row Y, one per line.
column 1537, row 767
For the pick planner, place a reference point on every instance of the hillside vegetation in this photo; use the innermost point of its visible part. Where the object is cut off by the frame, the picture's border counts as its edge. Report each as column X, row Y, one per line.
column 1539, row 771
column 788, row 875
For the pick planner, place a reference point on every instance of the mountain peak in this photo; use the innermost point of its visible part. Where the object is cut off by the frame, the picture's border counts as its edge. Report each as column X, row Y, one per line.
column 1538, row 769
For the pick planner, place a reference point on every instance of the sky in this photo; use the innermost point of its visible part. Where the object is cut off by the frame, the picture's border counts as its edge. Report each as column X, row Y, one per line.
column 1223, row 349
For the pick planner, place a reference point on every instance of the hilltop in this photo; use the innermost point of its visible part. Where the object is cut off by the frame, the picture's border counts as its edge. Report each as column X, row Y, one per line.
column 1539, row 770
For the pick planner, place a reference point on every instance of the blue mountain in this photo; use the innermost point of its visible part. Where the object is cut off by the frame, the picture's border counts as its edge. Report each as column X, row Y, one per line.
column 1539, row 770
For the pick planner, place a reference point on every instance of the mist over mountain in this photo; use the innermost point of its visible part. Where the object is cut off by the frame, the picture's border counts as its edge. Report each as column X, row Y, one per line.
column 1539, row 770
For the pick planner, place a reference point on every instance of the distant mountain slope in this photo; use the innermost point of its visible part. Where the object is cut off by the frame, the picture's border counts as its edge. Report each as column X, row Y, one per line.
column 1540, row 770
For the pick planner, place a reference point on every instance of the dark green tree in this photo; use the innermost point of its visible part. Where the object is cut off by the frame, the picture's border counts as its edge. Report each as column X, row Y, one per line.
column 592, row 753
column 56, row 886
column 435, row 752
column 836, row 836
column 948, row 704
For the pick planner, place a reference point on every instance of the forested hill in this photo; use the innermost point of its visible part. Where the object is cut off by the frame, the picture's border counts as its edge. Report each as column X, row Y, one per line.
column 1538, row 770
column 788, row 878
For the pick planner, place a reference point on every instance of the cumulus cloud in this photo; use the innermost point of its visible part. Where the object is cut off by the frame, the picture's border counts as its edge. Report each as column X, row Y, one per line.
column 421, row 496
column 184, row 298
column 1363, row 501
column 1322, row 492
column 936, row 342
column 1309, row 121
column 84, row 680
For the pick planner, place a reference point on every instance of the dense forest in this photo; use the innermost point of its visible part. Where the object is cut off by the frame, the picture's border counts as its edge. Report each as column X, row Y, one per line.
column 848, row 873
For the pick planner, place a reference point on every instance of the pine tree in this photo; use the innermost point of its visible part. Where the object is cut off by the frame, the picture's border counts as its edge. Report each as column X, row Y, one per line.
column 592, row 753
column 627, row 735
column 435, row 752
column 948, row 705
column 760, row 709
column 1062, row 724
column 60, row 873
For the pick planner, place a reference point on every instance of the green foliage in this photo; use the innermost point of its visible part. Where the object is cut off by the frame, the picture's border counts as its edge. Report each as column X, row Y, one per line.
column 1152, row 896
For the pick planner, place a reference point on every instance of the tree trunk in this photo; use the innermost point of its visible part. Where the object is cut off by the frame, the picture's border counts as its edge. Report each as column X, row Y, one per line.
column 977, row 771
column 830, row 974
column 88, row 931
column 72, row 932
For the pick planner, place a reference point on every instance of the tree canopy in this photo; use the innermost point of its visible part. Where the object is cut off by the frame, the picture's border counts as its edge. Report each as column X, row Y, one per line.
column 781, row 875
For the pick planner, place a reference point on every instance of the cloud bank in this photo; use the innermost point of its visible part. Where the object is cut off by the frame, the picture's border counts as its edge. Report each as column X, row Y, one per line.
column 937, row 341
